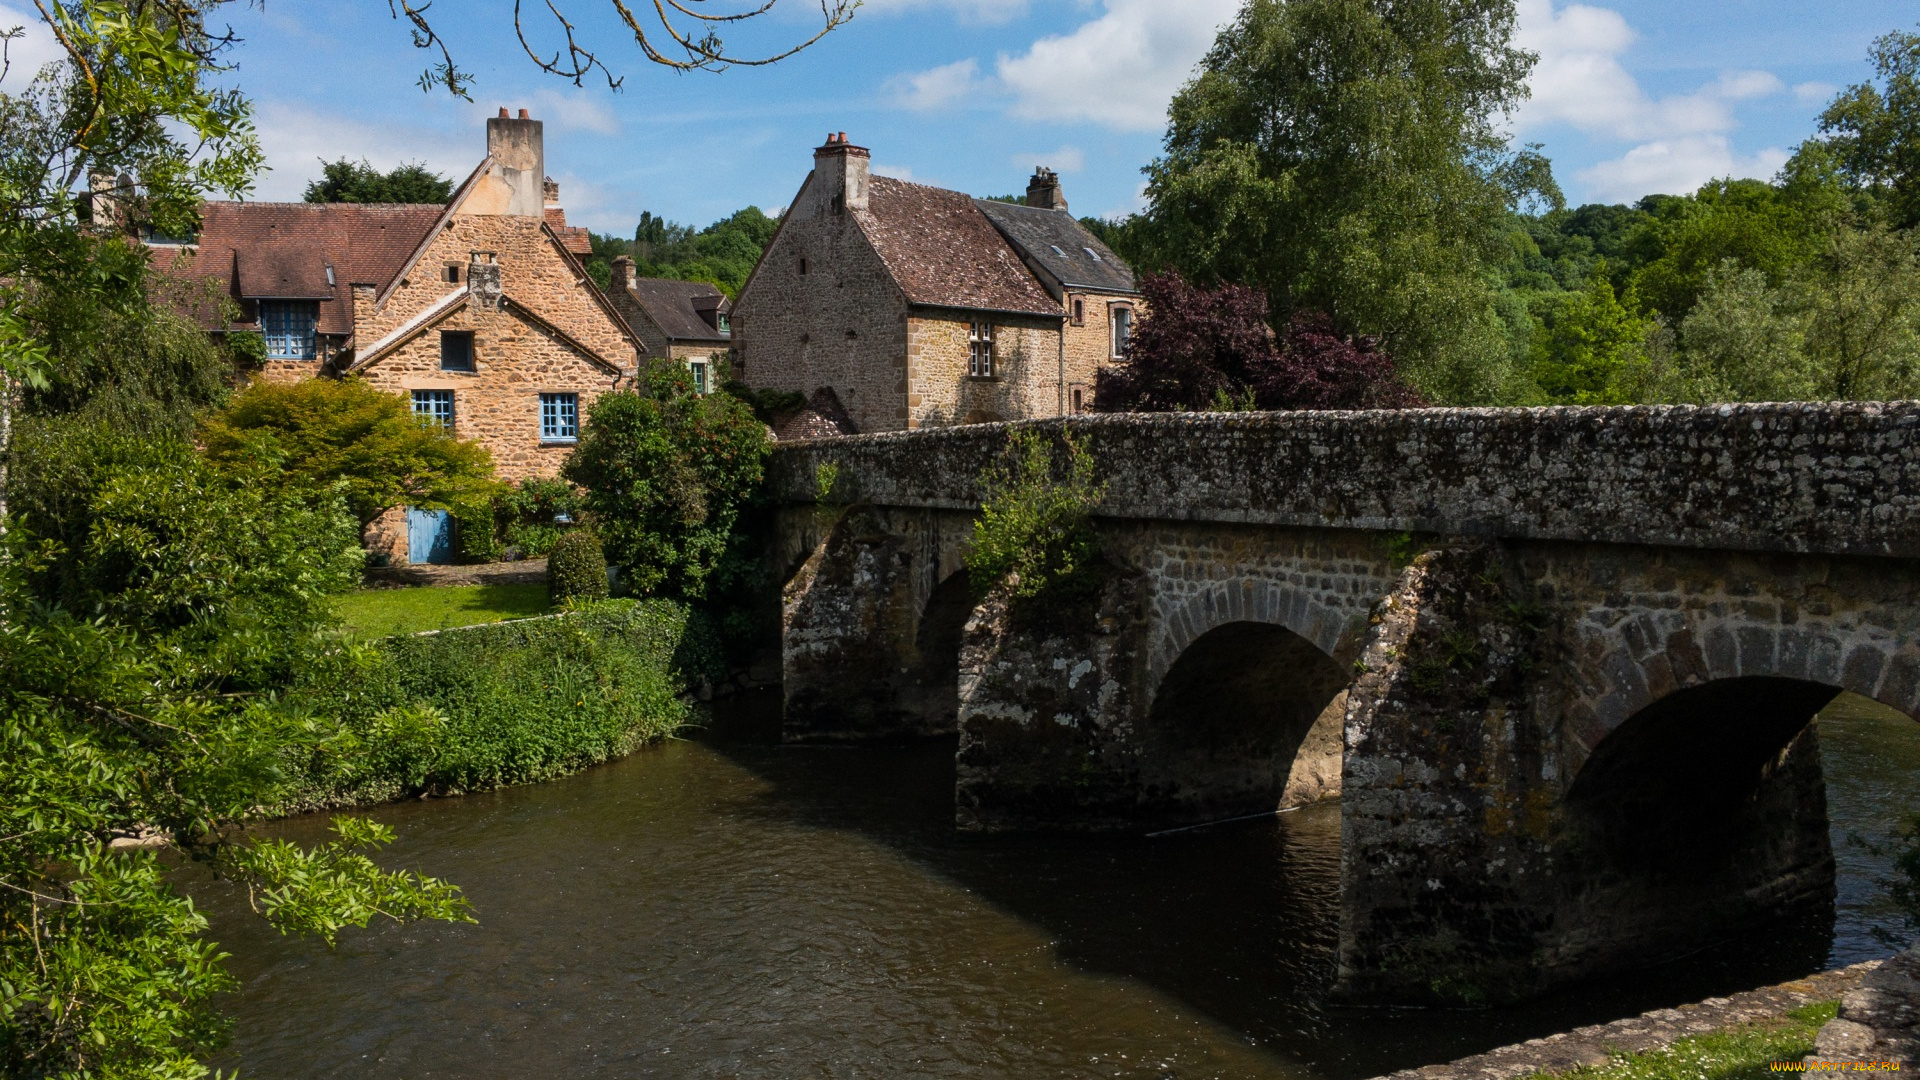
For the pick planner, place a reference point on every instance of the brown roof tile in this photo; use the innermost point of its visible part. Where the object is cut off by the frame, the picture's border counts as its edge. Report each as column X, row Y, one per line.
column 944, row 252
column 282, row 250
column 678, row 307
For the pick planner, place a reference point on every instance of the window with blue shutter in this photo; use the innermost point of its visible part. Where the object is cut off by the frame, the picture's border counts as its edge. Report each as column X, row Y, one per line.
column 288, row 326
column 559, row 417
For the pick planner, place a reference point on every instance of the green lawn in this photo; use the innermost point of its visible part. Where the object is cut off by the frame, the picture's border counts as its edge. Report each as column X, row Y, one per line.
column 377, row 613
column 1741, row 1053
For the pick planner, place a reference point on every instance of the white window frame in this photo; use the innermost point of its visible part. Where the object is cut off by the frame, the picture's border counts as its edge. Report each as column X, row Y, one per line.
column 702, row 372
column 980, row 335
column 1119, row 329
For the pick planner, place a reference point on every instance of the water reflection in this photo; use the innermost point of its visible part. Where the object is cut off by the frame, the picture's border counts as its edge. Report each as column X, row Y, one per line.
column 724, row 907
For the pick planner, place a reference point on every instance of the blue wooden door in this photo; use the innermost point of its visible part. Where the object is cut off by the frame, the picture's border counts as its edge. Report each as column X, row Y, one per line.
column 429, row 536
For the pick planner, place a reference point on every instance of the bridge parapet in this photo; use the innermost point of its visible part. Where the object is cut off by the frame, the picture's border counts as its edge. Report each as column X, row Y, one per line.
column 1838, row 479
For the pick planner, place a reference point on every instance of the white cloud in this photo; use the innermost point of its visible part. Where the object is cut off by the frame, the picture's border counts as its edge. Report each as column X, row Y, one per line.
column 938, row 88
column 574, row 112
column 1674, row 166
column 1119, row 70
column 1682, row 139
column 1815, row 93
column 1067, row 159
column 897, row 172
column 296, row 139
column 28, row 54
column 975, row 11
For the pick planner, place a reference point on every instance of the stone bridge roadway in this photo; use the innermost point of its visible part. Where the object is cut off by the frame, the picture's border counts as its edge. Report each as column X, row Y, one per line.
column 1558, row 664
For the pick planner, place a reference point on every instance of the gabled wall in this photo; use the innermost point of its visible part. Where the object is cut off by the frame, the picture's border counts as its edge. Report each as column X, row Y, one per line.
column 841, row 324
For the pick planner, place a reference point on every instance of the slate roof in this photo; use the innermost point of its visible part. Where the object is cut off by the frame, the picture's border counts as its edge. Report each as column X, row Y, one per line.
column 676, row 307
column 258, row 250
column 942, row 251
column 1061, row 246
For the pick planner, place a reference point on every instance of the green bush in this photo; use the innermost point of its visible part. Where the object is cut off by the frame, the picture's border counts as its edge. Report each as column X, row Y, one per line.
column 527, row 515
column 576, row 569
column 486, row 706
column 666, row 473
column 1034, row 526
column 473, row 518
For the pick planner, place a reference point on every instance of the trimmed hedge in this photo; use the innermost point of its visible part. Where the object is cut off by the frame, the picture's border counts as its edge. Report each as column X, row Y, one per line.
column 576, row 569
column 489, row 706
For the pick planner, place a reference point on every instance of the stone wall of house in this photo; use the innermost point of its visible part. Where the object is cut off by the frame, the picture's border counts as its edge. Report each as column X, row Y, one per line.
column 941, row 393
column 840, row 324
column 498, row 403
column 1090, row 345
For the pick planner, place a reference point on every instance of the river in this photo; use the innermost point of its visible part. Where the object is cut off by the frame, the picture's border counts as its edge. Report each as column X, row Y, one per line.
column 720, row 906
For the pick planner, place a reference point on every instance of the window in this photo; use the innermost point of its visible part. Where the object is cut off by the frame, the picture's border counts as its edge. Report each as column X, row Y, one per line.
column 723, row 322
column 456, row 350
column 699, row 369
column 435, row 406
column 288, row 326
column 1078, row 398
column 453, row 273
column 980, row 350
column 1079, row 311
column 803, row 266
column 559, row 417
column 1122, row 318
column 1091, row 254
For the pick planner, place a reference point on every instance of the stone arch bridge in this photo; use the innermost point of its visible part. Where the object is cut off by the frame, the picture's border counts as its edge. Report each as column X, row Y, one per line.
column 1559, row 665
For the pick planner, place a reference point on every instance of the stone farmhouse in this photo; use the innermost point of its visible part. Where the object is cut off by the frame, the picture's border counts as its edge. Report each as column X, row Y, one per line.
column 478, row 311
column 895, row 306
column 682, row 320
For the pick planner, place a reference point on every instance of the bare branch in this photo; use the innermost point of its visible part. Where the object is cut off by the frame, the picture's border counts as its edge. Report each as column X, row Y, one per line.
column 692, row 44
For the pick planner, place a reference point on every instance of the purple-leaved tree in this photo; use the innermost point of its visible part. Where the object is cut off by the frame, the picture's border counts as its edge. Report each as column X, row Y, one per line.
column 1212, row 348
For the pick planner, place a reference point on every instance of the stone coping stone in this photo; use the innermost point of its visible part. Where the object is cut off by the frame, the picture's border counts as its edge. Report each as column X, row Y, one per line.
column 1596, row 1044
column 521, row 572
column 1836, row 479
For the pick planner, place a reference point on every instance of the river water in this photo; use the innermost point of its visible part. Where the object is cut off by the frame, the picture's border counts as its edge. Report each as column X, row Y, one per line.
column 723, row 907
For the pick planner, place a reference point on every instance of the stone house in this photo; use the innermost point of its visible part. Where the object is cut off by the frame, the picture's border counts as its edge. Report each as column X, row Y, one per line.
column 686, row 321
column 900, row 306
column 479, row 312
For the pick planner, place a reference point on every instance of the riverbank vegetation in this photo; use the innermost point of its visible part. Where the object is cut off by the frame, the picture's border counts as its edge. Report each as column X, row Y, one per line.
column 1740, row 1053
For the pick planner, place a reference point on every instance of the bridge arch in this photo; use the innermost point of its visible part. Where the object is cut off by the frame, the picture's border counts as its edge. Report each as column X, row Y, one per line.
column 1332, row 630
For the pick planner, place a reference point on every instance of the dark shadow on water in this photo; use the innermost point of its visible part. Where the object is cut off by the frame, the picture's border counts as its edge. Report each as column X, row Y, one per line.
column 1238, row 922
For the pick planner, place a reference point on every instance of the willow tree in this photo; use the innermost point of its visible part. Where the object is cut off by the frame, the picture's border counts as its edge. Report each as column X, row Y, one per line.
column 1348, row 157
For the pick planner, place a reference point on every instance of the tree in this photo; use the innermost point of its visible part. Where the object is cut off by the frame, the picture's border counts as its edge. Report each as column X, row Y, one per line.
column 1347, row 157
column 346, row 181
column 1873, row 130
column 1742, row 343
column 1211, row 348
column 1859, row 301
column 723, row 254
column 1593, row 350
column 666, row 472
column 341, row 434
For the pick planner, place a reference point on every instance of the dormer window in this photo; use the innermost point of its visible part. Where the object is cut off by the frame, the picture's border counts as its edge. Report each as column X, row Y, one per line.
column 723, row 322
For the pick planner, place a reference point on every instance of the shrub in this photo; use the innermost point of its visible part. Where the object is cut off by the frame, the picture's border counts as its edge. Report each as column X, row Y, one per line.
column 666, row 474
column 324, row 433
column 474, row 519
column 576, row 569
column 485, row 706
column 1033, row 524
column 527, row 515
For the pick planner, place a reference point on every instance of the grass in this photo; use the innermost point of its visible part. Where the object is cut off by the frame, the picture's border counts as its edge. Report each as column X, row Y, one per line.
column 378, row 613
column 1737, row 1053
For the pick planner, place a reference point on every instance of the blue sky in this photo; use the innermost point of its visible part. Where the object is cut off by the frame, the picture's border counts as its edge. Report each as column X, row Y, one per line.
column 1631, row 96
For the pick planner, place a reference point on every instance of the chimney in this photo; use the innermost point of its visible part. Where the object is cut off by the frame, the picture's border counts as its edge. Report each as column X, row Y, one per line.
column 1043, row 190
column 484, row 289
column 550, row 192
column 519, row 159
column 842, row 167
column 623, row 272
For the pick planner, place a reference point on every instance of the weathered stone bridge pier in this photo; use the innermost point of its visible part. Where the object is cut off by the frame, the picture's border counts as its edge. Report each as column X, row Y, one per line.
column 1560, row 665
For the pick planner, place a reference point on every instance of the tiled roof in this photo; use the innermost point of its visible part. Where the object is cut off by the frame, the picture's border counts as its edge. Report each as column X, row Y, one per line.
column 944, row 252
column 282, row 250
column 1061, row 246
column 674, row 306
